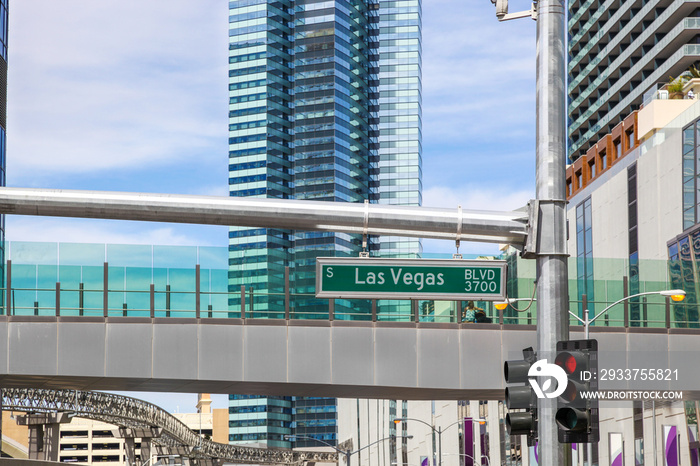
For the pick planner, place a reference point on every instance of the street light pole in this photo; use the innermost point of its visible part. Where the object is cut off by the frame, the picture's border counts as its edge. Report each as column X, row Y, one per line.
column 552, row 273
column 439, row 431
column 347, row 453
column 676, row 295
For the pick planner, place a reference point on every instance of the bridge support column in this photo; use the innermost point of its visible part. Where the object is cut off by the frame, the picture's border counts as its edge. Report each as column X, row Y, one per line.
column 146, row 449
column 44, row 434
column 130, row 435
column 130, row 451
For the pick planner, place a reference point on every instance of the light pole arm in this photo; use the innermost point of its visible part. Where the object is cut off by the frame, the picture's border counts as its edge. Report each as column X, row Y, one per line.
column 317, row 440
column 402, row 419
column 453, row 424
column 377, row 441
column 587, row 321
column 619, row 301
column 578, row 318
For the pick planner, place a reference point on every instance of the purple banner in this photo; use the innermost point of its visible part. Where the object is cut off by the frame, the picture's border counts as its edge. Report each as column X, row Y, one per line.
column 468, row 442
column 616, row 448
column 671, row 447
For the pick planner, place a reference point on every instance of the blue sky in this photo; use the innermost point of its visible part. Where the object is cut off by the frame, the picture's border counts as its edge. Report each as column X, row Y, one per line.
column 128, row 95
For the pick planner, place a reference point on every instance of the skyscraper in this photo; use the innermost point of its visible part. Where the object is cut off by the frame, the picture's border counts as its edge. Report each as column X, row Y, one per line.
column 618, row 53
column 325, row 104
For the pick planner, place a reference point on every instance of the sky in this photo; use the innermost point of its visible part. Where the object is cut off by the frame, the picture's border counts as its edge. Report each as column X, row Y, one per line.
column 131, row 95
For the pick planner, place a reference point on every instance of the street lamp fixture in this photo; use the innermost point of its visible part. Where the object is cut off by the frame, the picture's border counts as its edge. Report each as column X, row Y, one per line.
column 347, row 453
column 501, row 305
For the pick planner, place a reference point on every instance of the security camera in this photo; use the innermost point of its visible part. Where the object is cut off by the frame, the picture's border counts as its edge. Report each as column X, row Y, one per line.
column 501, row 8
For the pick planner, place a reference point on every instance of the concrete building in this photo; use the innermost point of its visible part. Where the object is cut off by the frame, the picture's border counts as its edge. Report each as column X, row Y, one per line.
column 324, row 104
column 633, row 200
column 617, row 52
column 640, row 204
column 362, row 422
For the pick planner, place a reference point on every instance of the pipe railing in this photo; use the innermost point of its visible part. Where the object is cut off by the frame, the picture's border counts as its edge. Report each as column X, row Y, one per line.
column 246, row 303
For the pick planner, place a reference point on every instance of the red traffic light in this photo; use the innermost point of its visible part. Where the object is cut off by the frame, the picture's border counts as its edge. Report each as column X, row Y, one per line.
column 572, row 363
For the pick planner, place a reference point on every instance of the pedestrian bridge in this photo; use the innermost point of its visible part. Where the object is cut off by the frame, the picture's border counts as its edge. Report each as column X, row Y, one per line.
column 157, row 318
column 309, row 358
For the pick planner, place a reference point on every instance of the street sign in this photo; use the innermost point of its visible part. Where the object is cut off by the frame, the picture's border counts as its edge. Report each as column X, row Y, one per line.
column 444, row 279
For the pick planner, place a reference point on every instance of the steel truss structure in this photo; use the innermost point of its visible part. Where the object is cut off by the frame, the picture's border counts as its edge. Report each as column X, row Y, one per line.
column 124, row 411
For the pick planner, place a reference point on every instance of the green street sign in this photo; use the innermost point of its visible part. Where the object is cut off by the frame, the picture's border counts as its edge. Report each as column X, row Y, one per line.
column 444, row 279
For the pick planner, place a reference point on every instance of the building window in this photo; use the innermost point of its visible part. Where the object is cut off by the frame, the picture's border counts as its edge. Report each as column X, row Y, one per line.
column 618, row 148
column 691, row 175
column 632, row 245
column 630, row 138
column 591, row 169
column 603, row 161
column 683, row 255
column 579, row 180
column 632, row 208
column 584, row 253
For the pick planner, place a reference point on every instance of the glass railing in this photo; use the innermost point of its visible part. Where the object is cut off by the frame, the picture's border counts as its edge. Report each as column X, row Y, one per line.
column 182, row 282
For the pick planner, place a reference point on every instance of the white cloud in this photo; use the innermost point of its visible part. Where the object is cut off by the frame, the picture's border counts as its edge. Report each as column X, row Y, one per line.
column 115, row 84
column 478, row 74
column 67, row 230
column 177, row 402
column 498, row 198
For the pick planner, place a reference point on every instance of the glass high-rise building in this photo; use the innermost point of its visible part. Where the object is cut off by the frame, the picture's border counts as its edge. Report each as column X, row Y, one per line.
column 324, row 104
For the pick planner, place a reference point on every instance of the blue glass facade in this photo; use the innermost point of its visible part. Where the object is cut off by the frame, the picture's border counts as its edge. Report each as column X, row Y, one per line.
column 324, row 103
column 398, row 177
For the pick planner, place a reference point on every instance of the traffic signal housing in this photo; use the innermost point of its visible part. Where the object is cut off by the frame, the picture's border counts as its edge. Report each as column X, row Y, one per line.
column 521, row 396
column 577, row 415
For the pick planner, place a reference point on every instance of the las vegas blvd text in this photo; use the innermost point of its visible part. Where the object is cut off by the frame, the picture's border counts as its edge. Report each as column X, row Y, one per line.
column 475, row 280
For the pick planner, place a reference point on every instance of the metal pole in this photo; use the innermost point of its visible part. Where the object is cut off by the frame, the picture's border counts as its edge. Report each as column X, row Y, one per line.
column 586, row 325
column 291, row 214
column 552, row 274
column 653, row 424
column 440, row 445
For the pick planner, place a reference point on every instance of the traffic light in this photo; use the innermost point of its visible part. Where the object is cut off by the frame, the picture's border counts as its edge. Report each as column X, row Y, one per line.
column 577, row 415
column 521, row 397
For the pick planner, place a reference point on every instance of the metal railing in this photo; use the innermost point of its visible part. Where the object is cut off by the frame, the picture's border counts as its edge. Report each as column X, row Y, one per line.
column 246, row 304
column 130, row 412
